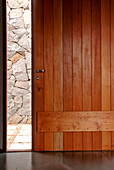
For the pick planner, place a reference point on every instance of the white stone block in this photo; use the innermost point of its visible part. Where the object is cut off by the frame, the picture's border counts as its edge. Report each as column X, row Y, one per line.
column 22, row 84
column 16, row 13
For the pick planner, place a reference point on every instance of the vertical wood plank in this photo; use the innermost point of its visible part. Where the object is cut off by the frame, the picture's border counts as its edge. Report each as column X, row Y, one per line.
column 86, row 62
column 67, row 66
column 58, row 57
column 105, row 53
column 58, row 69
column 77, row 57
column 58, row 141
column 68, row 141
column 48, row 66
column 96, row 67
column 77, row 68
column 112, row 141
column 48, row 142
column 96, row 55
column 38, row 100
column 105, row 58
column 87, row 141
column 106, row 140
column 39, row 142
column 112, row 55
column 48, row 55
column 86, row 53
column 97, row 140
column 77, row 141
column 67, row 54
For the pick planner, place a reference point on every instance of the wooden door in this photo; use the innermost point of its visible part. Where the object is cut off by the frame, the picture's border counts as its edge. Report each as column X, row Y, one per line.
column 73, row 100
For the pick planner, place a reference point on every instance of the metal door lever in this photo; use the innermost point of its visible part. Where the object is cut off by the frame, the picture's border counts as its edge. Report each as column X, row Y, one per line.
column 40, row 71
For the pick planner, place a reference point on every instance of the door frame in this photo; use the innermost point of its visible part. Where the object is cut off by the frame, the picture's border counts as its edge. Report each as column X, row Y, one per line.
column 32, row 41
column 3, row 53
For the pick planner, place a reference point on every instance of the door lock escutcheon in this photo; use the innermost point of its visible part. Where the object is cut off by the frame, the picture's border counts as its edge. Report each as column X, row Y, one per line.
column 37, row 77
column 39, row 71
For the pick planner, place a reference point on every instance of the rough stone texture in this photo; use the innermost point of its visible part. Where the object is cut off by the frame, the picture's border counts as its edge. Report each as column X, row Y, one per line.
column 15, row 119
column 23, row 85
column 21, row 76
column 20, row 32
column 16, row 57
column 18, row 3
column 11, row 111
column 28, row 61
column 9, row 73
column 16, row 13
column 16, row 23
column 27, row 100
column 9, row 64
column 24, row 42
column 15, row 91
column 18, row 100
column 19, row 66
column 12, row 46
column 26, row 16
column 24, row 111
column 24, row 121
column 19, row 61
column 10, row 85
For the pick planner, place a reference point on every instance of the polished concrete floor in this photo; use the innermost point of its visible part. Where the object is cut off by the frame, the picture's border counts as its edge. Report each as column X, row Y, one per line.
column 57, row 161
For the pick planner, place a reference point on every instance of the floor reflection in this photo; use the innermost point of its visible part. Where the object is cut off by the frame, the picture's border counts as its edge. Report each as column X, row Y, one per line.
column 57, row 161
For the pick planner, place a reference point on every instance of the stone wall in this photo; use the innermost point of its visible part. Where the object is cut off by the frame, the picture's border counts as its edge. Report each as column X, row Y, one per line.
column 19, row 61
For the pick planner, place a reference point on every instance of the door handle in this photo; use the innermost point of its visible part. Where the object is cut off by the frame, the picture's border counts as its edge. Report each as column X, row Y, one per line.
column 40, row 71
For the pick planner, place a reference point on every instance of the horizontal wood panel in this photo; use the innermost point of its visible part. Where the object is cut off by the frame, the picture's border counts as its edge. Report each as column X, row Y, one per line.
column 75, row 121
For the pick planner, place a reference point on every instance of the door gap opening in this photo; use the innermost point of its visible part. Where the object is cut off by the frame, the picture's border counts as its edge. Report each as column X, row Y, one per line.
column 19, row 133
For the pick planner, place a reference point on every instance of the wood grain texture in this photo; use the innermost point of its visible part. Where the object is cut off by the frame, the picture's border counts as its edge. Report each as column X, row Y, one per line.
column 96, row 67
column 39, row 142
column 58, row 57
column 106, row 140
column 48, row 55
column 86, row 62
column 86, row 53
column 58, row 141
column 67, row 55
column 105, row 53
column 112, row 141
column 97, row 141
column 67, row 66
column 87, row 141
column 76, row 121
column 48, row 142
column 77, row 56
column 58, row 68
column 77, row 67
column 73, row 40
column 105, row 58
column 67, row 141
column 112, row 55
column 96, row 56
column 77, row 141
column 48, row 66
column 38, row 100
